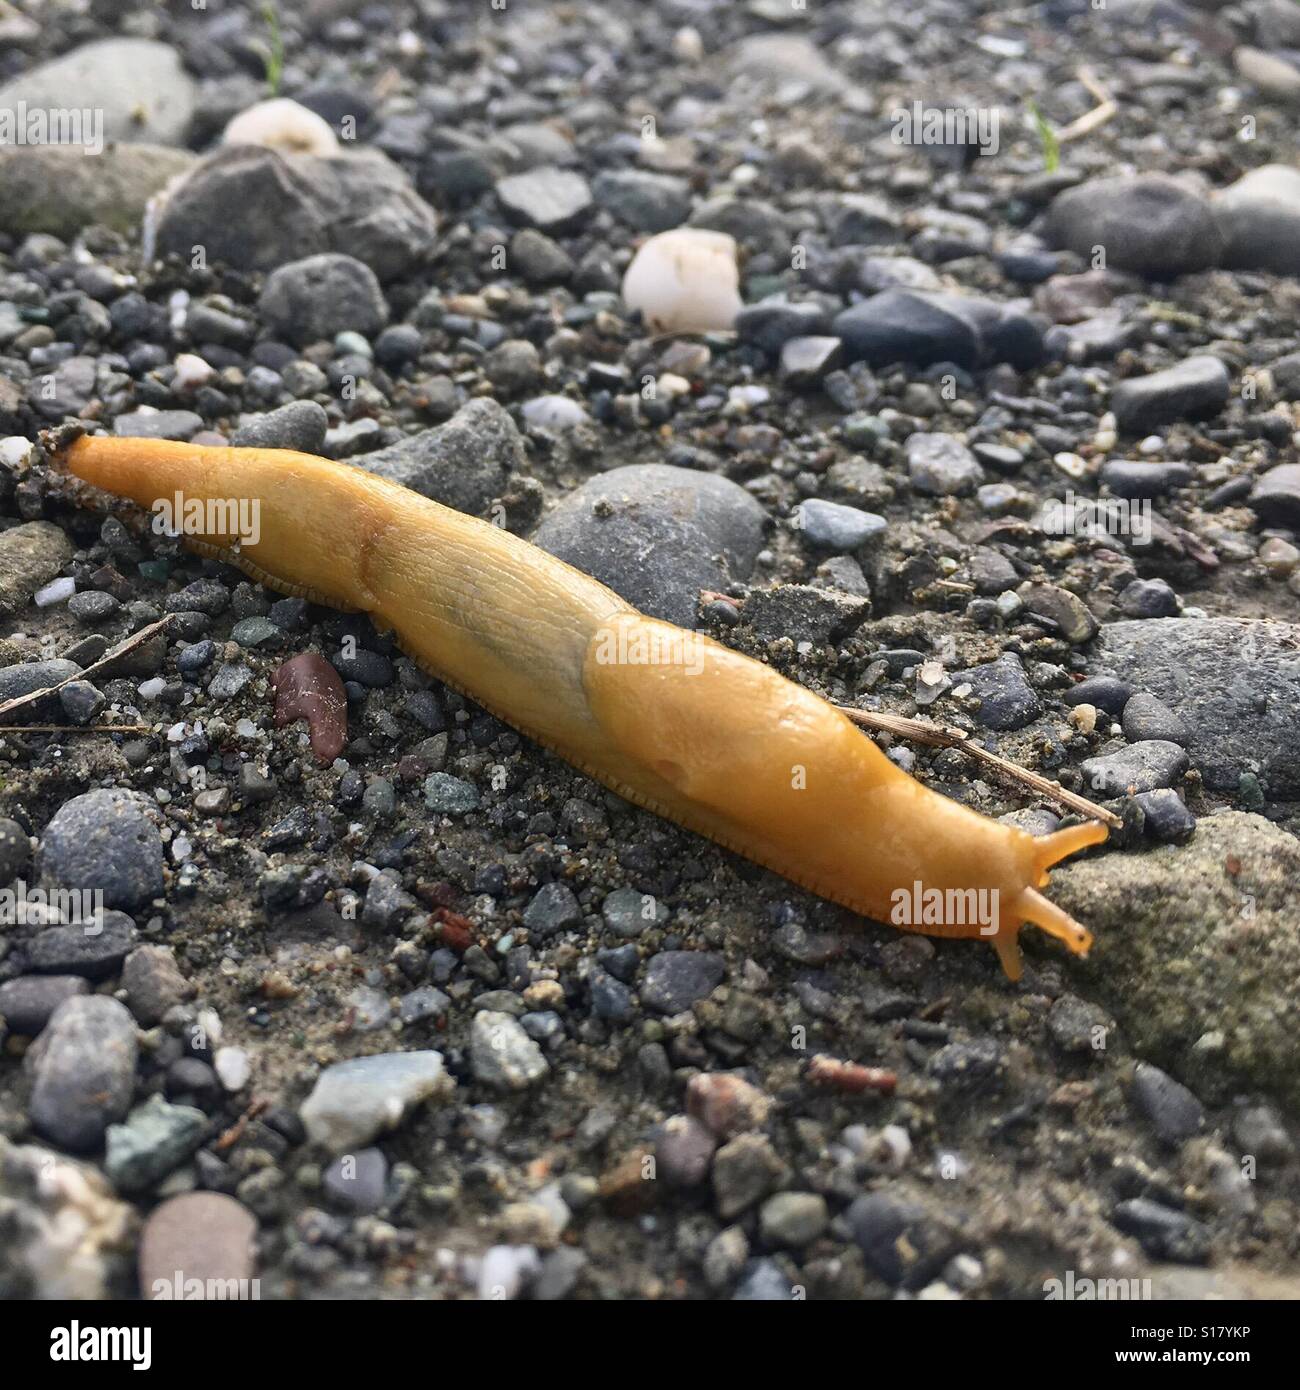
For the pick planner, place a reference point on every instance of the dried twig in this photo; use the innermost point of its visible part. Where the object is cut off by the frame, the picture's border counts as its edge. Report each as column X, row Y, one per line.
column 1098, row 116
column 945, row 736
column 131, row 643
column 75, row 728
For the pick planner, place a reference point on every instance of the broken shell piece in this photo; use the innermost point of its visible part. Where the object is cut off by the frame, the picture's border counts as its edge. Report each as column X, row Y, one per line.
column 685, row 281
column 282, row 124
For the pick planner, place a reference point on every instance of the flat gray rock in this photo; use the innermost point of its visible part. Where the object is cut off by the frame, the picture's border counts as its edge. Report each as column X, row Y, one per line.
column 1234, row 683
column 353, row 1102
column 139, row 86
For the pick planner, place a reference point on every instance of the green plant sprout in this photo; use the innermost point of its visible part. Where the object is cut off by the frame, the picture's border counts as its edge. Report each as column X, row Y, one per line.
column 273, row 57
column 1047, row 138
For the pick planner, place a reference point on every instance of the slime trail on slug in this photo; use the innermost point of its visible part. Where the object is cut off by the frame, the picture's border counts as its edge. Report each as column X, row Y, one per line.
column 708, row 738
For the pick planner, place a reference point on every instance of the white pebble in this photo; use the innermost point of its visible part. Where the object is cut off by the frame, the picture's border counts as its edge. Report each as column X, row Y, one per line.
column 554, row 413
column 668, row 386
column 152, row 688
column 685, row 281
column 191, row 372
column 56, row 591
column 232, row 1067
column 504, row 1269
column 16, row 452
column 1072, row 465
column 1152, row 444
column 688, row 46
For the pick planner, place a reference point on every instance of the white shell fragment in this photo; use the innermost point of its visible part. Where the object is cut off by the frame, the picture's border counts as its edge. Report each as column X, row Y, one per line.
column 281, row 124
column 685, row 281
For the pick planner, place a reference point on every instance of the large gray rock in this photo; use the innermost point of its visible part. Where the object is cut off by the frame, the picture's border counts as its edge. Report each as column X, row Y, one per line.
column 1198, row 941
column 1150, row 223
column 141, row 88
column 104, row 841
column 1234, row 682
column 83, row 1069
column 657, row 535
column 1259, row 219
column 295, row 205
column 465, row 463
column 57, row 189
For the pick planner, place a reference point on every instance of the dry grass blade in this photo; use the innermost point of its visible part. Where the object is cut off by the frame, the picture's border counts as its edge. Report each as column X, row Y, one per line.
column 138, row 639
column 1095, row 118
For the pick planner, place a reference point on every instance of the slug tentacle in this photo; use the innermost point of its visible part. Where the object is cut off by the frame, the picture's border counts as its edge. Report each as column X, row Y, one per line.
column 669, row 719
column 1060, row 844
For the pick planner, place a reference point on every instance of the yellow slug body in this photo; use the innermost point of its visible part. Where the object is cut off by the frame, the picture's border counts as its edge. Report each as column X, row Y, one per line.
column 670, row 719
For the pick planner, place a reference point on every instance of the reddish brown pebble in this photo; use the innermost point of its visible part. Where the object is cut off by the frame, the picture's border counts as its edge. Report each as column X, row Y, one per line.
column 455, row 932
column 726, row 1104
column 198, row 1246
column 628, row 1188
column 308, row 687
column 850, row 1077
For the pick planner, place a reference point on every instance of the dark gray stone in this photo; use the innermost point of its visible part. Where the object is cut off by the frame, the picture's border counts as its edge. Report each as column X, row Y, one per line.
column 104, row 840
column 1146, row 717
column 1191, row 390
column 84, row 1071
column 320, row 296
column 657, row 535
column 466, row 463
column 1275, row 498
column 1149, row 223
column 1006, row 699
column 296, row 205
column 646, row 201
column 299, row 425
column 1133, row 479
column 674, row 980
column 94, row 949
column 27, row 1003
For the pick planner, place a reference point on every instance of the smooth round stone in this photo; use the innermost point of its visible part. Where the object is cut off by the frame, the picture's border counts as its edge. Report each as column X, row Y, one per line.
column 941, row 466
column 105, row 840
column 1106, row 692
column 554, row 413
column 1146, row 717
column 204, row 1237
column 835, row 527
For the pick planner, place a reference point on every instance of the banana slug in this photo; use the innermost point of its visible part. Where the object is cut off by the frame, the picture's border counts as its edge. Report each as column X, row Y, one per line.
column 668, row 719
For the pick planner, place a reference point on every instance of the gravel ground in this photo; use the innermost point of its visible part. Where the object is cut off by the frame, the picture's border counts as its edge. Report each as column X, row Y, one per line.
column 1005, row 439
